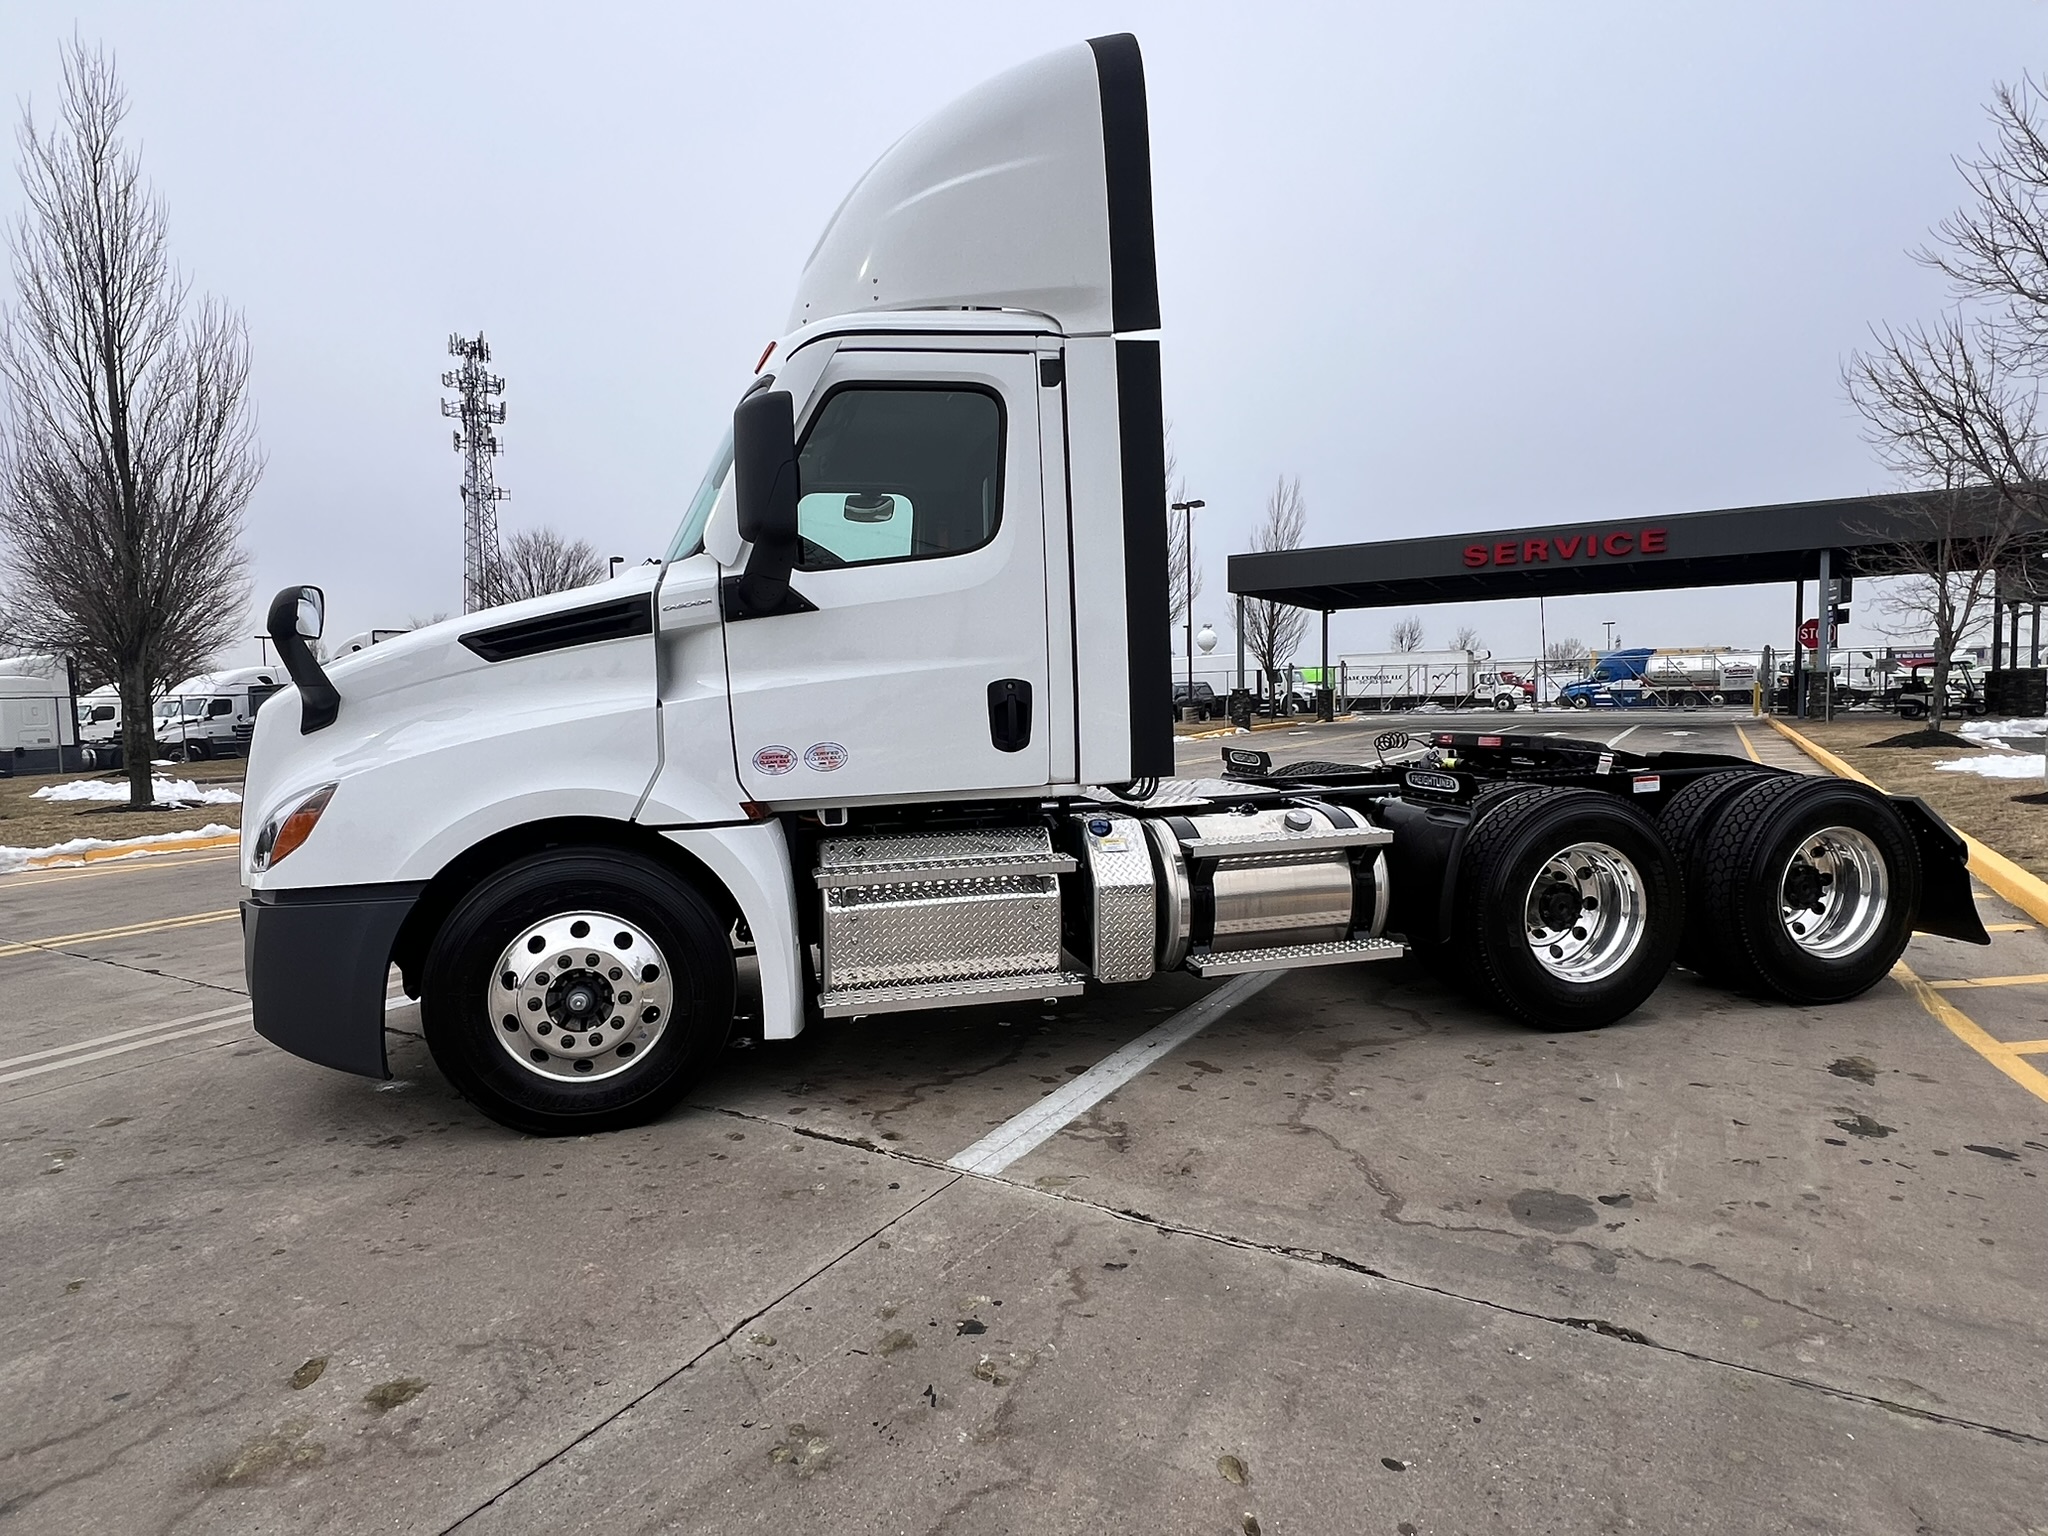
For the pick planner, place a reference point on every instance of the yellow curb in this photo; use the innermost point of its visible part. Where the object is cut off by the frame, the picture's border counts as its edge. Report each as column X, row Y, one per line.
column 125, row 850
column 2024, row 890
column 1270, row 725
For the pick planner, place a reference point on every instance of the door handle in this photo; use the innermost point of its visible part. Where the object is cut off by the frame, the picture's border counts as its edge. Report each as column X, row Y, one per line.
column 1009, row 714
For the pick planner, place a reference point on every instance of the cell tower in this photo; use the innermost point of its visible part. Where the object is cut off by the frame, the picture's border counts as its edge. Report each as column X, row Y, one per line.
column 482, row 564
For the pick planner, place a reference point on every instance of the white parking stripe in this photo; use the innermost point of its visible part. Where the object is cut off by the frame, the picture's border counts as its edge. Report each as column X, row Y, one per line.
column 118, row 1050
column 1618, row 740
column 1020, row 1134
column 77, row 1054
column 120, row 1034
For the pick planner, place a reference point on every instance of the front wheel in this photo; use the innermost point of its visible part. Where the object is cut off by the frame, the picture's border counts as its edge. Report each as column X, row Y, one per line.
column 1581, row 702
column 1569, row 908
column 578, row 990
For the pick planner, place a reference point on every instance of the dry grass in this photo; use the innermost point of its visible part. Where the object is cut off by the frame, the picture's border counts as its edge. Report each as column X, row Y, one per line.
column 1994, row 811
column 26, row 822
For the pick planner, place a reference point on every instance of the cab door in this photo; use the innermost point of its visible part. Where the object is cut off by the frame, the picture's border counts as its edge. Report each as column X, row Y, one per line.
column 915, row 662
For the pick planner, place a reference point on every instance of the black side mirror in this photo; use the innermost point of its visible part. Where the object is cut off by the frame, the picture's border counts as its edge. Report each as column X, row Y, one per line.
column 297, row 615
column 765, row 489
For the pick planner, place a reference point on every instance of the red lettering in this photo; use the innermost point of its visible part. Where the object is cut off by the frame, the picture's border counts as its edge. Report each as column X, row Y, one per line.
column 1566, row 548
column 1619, row 544
column 1536, row 550
column 1475, row 554
column 1503, row 554
column 1592, row 544
column 1652, row 541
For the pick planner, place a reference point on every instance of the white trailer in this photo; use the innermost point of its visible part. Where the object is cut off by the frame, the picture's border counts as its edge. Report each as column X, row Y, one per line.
column 36, row 721
column 892, row 717
column 1394, row 680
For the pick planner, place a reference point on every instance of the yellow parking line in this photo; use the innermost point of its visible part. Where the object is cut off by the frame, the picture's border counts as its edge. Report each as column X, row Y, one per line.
column 2002, row 1055
column 2009, row 927
column 2027, row 1047
column 124, row 867
column 1963, row 984
column 29, row 945
column 1748, row 745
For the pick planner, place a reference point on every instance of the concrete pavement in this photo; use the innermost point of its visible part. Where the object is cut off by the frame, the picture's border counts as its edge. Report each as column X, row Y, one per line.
column 1356, row 1256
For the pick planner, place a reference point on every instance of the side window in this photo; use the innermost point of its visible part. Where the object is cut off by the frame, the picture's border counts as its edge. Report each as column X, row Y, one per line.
column 221, row 707
column 891, row 473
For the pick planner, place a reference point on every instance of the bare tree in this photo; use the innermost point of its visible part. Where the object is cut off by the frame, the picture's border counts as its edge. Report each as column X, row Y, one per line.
column 129, row 446
column 1406, row 635
column 1183, row 550
column 1565, row 653
column 1466, row 639
column 1273, row 630
column 1995, row 248
column 537, row 561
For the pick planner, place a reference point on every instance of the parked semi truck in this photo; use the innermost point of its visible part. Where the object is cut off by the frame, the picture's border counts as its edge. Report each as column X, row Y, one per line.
column 1644, row 675
column 1397, row 680
column 213, row 714
column 889, row 723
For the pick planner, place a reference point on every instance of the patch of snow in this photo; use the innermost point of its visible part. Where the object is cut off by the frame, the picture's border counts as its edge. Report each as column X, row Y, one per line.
column 12, row 859
column 2021, row 765
column 1976, row 728
column 163, row 791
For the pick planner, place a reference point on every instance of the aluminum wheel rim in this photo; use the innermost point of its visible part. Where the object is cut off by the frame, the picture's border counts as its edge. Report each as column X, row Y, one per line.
column 1585, row 912
column 1833, row 892
column 580, row 997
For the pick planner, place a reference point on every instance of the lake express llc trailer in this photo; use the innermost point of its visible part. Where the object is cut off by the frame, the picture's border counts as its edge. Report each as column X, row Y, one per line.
column 891, row 717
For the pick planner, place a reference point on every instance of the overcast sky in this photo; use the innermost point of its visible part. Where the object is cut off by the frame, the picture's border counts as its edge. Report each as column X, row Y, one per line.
column 1458, row 267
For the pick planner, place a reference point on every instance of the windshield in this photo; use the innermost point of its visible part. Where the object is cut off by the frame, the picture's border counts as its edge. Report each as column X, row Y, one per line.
column 690, row 536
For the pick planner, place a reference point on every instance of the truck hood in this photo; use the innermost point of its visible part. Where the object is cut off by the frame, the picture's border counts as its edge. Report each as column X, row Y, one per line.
column 414, row 686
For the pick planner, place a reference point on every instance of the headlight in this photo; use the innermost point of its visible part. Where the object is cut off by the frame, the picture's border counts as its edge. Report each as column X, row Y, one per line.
column 289, row 825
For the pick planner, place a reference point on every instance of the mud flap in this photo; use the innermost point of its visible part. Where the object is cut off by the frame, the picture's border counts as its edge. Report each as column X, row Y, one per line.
column 1948, row 910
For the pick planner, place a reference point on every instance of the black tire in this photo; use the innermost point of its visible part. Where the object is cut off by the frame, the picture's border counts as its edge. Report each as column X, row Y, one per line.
column 1684, row 824
column 1492, row 796
column 1580, row 701
column 1745, row 868
column 462, row 1031
column 1504, row 857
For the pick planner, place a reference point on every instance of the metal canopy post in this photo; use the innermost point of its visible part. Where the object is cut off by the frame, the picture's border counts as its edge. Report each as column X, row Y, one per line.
column 1823, row 627
column 1798, row 649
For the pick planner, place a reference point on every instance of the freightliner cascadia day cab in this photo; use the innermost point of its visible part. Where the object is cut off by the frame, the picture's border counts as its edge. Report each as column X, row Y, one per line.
column 892, row 717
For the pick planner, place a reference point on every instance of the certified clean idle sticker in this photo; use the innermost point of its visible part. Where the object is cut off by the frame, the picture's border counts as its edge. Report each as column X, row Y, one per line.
column 825, row 756
column 774, row 761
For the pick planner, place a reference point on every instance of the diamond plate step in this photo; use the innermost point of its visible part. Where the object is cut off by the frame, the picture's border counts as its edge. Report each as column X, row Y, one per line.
column 950, row 994
column 923, row 857
column 1287, row 957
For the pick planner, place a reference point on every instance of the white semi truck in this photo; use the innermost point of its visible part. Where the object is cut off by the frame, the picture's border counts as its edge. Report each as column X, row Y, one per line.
column 892, row 716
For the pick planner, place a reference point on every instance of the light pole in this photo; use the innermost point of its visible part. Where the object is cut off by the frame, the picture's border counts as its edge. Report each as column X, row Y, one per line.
column 1187, row 508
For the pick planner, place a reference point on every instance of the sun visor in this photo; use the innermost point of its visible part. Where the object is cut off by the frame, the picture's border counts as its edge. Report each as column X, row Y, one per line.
column 1033, row 192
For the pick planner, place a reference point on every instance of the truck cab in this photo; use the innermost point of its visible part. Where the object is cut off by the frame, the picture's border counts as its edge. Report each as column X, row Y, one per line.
column 214, row 714
column 888, row 727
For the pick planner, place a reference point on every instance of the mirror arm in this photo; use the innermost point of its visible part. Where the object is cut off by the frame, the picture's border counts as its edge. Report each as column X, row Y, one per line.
column 319, row 703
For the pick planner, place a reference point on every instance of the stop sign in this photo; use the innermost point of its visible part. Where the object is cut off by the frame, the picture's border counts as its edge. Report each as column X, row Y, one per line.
column 1809, row 634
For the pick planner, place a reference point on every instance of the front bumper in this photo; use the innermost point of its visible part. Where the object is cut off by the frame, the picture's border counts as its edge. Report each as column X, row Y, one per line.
column 318, row 963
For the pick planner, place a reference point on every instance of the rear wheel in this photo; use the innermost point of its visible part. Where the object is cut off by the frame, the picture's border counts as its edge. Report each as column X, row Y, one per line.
column 578, row 990
column 1568, row 908
column 1808, row 890
column 1684, row 824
